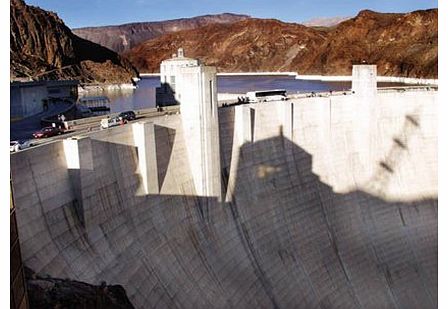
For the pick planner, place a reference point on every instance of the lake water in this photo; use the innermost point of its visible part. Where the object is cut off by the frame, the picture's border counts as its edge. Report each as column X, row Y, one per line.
column 145, row 95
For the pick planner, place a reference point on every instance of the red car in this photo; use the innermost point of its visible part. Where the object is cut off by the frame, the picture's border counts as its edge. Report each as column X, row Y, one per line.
column 47, row 132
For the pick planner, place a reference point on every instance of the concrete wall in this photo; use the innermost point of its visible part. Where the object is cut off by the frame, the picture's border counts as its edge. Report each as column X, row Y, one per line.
column 27, row 101
column 62, row 91
column 18, row 290
column 324, row 207
column 349, row 137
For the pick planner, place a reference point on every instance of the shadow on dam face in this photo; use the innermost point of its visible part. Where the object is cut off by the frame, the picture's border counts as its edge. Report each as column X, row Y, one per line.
column 285, row 239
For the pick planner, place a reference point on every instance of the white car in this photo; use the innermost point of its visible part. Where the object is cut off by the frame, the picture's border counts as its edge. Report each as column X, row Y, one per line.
column 111, row 122
column 18, row 145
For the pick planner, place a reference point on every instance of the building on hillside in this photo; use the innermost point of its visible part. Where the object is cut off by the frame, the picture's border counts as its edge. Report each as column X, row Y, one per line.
column 30, row 98
column 62, row 89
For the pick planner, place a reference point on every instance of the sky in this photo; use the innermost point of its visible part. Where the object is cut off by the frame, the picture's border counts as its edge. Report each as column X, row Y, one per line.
column 83, row 13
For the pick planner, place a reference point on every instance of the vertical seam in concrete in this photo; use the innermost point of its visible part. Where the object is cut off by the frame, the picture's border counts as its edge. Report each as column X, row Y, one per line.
column 411, row 247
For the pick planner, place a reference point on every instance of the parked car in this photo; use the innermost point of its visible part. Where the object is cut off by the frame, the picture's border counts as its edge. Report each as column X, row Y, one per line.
column 47, row 132
column 128, row 115
column 18, row 145
column 112, row 122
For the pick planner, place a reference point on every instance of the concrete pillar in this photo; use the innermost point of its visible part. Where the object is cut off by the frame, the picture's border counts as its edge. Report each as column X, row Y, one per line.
column 199, row 110
column 288, row 120
column 79, row 159
column 364, row 81
column 180, row 52
column 144, row 140
column 244, row 125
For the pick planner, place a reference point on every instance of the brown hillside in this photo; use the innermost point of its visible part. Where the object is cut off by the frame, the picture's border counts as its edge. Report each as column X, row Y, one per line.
column 249, row 45
column 400, row 44
column 122, row 38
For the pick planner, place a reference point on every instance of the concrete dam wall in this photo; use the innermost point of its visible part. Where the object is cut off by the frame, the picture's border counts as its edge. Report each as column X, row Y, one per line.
column 325, row 203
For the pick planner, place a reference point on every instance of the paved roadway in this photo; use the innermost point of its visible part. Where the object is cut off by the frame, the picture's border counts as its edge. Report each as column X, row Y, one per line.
column 92, row 126
column 23, row 129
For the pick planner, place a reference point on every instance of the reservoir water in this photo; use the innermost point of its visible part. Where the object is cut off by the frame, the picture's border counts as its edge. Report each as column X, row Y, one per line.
column 144, row 96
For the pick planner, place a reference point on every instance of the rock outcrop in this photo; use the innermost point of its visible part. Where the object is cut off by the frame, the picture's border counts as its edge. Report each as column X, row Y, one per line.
column 42, row 47
column 47, row 292
column 400, row 44
column 122, row 38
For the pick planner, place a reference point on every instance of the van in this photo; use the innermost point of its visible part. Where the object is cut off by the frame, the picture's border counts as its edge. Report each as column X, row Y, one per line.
column 267, row 96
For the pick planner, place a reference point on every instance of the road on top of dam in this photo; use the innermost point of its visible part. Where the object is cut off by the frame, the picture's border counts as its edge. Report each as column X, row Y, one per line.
column 24, row 128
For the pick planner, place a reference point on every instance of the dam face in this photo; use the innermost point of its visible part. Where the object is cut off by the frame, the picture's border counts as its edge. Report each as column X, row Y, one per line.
column 325, row 203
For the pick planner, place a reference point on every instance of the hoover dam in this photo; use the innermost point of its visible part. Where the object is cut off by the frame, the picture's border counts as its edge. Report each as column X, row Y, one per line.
column 320, row 202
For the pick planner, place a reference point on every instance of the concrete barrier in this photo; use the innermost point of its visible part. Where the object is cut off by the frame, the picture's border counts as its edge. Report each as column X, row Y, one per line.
column 139, row 113
column 384, row 79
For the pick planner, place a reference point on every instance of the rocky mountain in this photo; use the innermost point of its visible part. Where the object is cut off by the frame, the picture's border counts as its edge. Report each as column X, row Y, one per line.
column 248, row 45
column 400, row 44
column 42, row 47
column 325, row 21
column 122, row 38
